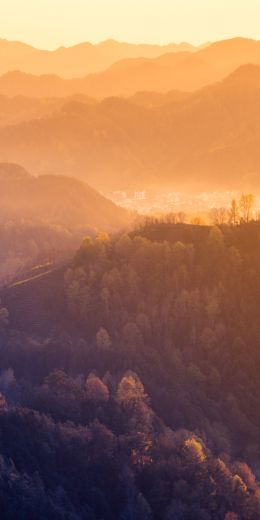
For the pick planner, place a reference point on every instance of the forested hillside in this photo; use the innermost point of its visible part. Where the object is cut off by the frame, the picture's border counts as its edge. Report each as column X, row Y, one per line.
column 140, row 400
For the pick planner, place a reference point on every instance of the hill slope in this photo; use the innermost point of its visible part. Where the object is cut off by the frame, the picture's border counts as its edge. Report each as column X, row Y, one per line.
column 57, row 200
column 43, row 220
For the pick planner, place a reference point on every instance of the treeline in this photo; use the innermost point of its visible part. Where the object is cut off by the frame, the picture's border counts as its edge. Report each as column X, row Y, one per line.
column 238, row 212
column 169, row 312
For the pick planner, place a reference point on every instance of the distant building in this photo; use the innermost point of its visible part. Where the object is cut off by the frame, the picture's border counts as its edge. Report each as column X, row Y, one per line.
column 140, row 195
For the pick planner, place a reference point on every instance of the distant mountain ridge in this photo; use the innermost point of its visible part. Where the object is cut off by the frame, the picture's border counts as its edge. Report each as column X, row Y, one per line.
column 78, row 60
column 208, row 139
column 18, row 109
column 184, row 71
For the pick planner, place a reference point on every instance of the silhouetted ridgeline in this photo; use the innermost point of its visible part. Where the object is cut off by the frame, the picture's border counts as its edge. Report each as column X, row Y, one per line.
column 134, row 68
column 77, row 60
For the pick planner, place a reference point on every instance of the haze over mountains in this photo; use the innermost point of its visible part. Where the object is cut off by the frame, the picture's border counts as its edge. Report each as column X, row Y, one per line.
column 186, row 71
column 54, row 200
column 79, row 60
column 182, row 120
column 20, row 108
column 207, row 139
column 44, row 219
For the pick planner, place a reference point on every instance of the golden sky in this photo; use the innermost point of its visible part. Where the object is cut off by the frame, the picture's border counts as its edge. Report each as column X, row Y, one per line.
column 51, row 23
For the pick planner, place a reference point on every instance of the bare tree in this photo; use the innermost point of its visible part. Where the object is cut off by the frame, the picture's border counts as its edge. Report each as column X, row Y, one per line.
column 181, row 216
column 218, row 216
column 233, row 213
column 246, row 205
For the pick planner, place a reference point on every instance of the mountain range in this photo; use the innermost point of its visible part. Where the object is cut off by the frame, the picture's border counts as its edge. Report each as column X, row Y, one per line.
column 79, row 60
column 185, row 71
column 206, row 139
column 183, row 119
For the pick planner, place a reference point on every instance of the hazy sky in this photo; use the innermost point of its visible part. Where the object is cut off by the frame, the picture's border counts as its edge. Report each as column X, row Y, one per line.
column 51, row 23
